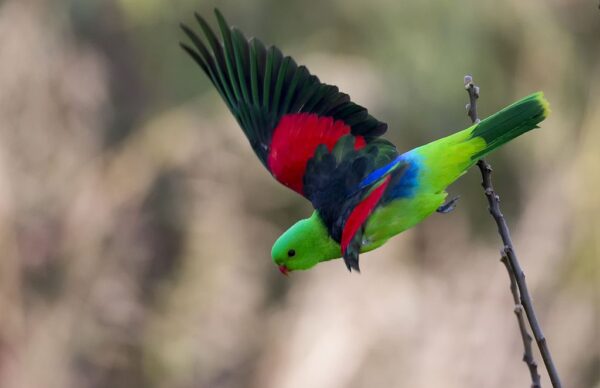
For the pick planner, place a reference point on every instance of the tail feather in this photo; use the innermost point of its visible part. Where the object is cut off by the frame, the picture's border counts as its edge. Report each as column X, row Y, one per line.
column 512, row 121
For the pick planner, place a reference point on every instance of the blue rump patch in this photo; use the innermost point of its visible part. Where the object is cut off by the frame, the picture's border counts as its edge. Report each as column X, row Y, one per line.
column 406, row 185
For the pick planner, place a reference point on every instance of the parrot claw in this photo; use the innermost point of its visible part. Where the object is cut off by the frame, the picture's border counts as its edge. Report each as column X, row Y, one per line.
column 448, row 206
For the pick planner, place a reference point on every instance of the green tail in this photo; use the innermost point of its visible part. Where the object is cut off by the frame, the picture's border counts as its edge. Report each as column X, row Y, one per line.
column 512, row 121
column 447, row 159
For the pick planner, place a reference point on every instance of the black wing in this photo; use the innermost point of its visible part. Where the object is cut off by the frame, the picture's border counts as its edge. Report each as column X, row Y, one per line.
column 337, row 182
column 260, row 85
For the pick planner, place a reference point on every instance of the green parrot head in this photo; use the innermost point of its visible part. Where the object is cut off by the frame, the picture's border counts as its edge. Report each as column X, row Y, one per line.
column 304, row 245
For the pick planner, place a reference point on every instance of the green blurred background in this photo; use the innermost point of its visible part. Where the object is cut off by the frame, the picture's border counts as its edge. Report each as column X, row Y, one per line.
column 136, row 224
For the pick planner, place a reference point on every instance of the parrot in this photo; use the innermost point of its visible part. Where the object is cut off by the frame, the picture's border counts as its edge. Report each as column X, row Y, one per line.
column 314, row 140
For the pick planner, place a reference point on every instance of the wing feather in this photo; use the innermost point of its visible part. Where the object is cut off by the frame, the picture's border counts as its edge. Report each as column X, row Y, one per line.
column 261, row 86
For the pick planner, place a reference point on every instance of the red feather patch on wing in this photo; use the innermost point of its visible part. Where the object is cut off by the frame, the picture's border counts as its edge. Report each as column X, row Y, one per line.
column 361, row 212
column 295, row 140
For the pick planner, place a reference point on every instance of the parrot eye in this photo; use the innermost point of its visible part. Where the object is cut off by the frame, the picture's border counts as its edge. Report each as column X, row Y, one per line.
column 291, row 253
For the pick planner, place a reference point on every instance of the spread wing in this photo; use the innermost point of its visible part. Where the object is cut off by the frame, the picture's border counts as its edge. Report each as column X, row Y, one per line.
column 345, row 185
column 285, row 112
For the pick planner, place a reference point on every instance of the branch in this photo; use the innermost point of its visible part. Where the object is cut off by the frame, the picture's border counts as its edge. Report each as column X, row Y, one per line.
column 525, row 336
column 509, row 258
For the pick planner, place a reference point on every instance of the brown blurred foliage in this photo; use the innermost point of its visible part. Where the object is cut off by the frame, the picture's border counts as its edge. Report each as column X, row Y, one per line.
column 136, row 224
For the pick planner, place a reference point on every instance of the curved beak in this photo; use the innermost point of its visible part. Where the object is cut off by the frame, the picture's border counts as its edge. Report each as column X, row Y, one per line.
column 284, row 270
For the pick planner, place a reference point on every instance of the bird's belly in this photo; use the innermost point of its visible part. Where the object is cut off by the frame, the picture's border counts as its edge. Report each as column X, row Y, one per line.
column 399, row 215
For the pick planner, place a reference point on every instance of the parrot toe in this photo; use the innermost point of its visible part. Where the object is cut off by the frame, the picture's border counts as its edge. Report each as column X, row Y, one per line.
column 448, row 206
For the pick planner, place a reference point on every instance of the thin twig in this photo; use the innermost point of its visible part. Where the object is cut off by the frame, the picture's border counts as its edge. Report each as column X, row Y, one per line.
column 525, row 336
column 520, row 293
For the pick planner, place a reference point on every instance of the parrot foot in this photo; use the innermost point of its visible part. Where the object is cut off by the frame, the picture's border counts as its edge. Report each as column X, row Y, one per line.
column 448, row 206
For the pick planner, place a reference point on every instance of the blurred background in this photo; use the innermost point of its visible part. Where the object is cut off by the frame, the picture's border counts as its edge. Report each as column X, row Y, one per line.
column 136, row 223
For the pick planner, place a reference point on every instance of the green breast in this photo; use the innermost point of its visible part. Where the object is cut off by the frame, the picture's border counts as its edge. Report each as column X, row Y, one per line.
column 398, row 216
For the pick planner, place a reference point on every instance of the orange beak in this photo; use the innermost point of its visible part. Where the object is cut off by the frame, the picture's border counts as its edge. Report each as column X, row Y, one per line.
column 284, row 270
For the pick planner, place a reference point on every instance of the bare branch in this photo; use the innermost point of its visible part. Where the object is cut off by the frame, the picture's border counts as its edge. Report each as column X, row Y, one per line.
column 525, row 336
column 509, row 257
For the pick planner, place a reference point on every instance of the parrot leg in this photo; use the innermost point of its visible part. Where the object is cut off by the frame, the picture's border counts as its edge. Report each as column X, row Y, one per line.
column 448, row 206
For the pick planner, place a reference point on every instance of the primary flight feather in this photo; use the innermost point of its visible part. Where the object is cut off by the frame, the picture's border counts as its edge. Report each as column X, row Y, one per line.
column 313, row 139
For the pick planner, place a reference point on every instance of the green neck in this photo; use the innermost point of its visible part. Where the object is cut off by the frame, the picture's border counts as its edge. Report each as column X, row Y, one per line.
column 310, row 243
column 327, row 247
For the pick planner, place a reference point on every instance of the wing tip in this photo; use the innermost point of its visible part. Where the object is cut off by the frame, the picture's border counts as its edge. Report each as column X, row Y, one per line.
column 352, row 263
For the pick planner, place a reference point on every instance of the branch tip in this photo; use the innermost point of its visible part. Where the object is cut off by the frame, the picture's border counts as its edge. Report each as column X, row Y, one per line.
column 468, row 80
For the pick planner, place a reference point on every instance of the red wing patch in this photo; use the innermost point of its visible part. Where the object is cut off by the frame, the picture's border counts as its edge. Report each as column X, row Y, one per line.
column 295, row 140
column 360, row 213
